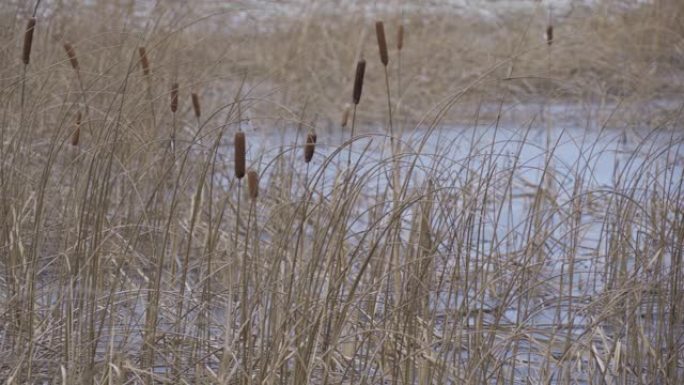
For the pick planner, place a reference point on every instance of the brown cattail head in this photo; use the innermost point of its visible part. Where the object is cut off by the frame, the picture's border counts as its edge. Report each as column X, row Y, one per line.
column 549, row 34
column 310, row 146
column 345, row 115
column 358, row 80
column 400, row 37
column 239, row 154
column 382, row 42
column 196, row 105
column 28, row 40
column 144, row 61
column 71, row 53
column 77, row 132
column 174, row 97
column 253, row 184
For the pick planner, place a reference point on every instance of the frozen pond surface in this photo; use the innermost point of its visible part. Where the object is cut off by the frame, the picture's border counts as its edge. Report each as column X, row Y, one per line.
column 249, row 11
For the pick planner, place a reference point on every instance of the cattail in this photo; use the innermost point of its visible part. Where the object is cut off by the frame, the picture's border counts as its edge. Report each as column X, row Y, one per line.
column 28, row 40
column 253, row 184
column 174, row 97
column 77, row 132
column 196, row 104
column 239, row 154
column 549, row 34
column 345, row 115
column 144, row 61
column 382, row 42
column 71, row 53
column 310, row 146
column 400, row 37
column 358, row 80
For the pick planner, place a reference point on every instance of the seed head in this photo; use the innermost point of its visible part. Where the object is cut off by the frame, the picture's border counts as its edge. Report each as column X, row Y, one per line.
column 71, row 53
column 400, row 37
column 75, row 137
column 144, row 61
column 174, row 97
column 253, row 184
column 196, row 104
column 239, row 154
column 28, row 40
column 358, row 80
column 382, row 42
column 310, row 146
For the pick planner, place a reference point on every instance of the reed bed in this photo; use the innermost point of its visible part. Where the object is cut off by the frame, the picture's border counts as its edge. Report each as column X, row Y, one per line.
column 537, row 237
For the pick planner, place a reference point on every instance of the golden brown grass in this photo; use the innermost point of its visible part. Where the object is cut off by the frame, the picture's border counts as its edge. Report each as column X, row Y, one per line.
column 452, row 258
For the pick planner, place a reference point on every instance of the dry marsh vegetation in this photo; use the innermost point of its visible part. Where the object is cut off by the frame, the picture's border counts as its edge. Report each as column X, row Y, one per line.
column 193, row 195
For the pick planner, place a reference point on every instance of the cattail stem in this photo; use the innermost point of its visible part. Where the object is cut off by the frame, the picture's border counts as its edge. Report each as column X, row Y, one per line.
column 239, row 142
column 389, row 111
column 400, row 45
column 247, row 305
column 26, row 56
column 73, row 60
column 351, row 140
column 174, row 108
column 356, row 98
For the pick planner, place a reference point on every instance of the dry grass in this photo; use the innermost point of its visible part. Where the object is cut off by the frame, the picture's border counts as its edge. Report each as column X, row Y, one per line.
column 478, row 254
